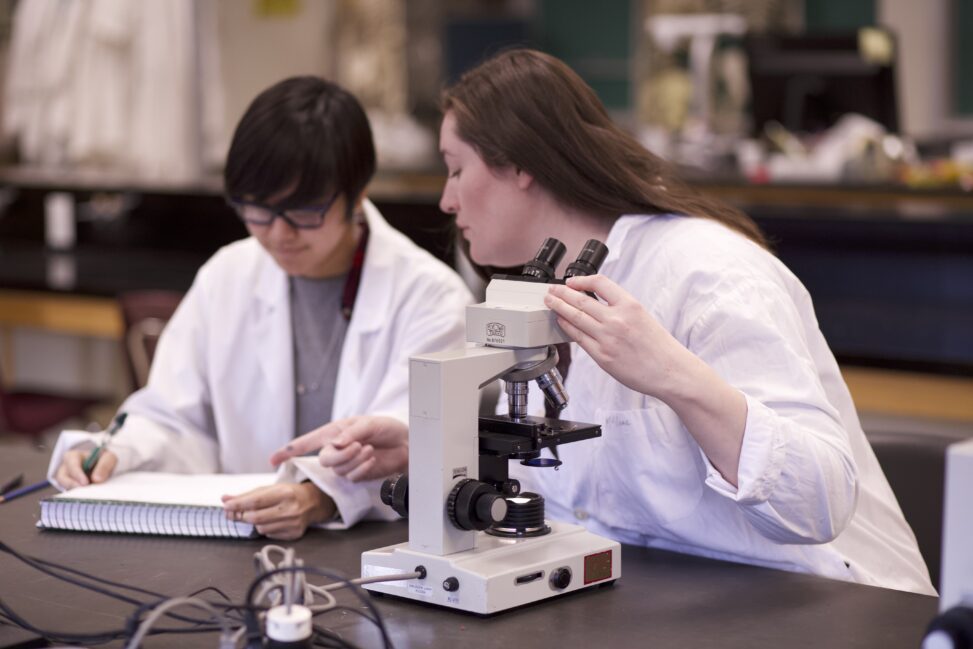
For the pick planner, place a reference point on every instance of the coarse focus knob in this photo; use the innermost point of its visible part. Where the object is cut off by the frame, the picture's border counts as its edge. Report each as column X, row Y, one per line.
column 395, row 494
column 475, row 505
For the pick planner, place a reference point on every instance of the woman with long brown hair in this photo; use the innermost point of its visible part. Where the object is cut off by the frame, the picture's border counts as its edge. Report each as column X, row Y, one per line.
column 727, row 428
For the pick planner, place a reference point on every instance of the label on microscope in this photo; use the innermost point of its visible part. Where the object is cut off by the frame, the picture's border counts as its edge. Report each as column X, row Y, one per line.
column 420, row 589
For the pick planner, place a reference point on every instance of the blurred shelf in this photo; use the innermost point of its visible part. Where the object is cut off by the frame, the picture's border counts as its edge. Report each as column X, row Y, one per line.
column 911, row 394
column 64, row 314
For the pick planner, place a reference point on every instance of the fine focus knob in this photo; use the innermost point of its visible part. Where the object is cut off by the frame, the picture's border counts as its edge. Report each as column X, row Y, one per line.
column 475, row 505
column 395, row 494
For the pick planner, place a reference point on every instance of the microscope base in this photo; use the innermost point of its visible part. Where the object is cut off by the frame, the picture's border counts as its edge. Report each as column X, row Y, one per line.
column 499, row 573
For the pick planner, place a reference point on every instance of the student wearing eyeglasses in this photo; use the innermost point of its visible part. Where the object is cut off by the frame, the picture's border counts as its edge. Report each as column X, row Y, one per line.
column 307, row 325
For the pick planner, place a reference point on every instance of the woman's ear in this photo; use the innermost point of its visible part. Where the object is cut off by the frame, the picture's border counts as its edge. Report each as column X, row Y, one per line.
column 524, row 179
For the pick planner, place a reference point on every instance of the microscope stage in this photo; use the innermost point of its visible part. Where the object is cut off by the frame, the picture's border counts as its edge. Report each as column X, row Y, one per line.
column 499, row 573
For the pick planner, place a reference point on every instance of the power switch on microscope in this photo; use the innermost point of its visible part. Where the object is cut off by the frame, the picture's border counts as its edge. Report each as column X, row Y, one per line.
column 451, row 584
column 560, row 578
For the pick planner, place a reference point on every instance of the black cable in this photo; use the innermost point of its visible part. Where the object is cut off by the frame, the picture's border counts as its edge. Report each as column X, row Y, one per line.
column 38, row 565
column 324, row 637
column 245, row 612
column 59, row 637
column 49, row 567
column 355, row 588
column 102, row 580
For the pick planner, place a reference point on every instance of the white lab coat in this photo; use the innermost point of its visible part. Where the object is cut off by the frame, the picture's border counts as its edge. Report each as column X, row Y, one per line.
column 811, row 495
column 113, row 84
column 221, row 393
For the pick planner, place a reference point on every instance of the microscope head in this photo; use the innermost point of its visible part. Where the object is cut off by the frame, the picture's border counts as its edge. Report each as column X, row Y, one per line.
column 514, row 314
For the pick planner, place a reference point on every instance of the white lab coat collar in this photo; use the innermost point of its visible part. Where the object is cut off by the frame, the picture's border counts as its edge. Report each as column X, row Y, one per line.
column 374, row 290
column 617, row 236
column 273, row 325
column 272, row 288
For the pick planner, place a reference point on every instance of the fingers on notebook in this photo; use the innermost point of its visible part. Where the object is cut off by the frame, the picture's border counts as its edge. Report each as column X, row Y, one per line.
column 253, row 499
column 104, row 467
column 276, row 511
column 70, row 474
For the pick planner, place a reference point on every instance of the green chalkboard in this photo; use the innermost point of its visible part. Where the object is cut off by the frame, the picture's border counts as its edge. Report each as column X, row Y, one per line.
column 594, row 38
column 836, row 15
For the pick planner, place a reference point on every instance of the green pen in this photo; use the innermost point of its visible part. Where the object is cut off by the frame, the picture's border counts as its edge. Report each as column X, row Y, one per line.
column 92, row 459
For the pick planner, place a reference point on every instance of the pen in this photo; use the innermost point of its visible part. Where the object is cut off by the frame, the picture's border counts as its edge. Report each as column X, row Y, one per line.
column 23, row 491
column 92, row 459
column 13, row 483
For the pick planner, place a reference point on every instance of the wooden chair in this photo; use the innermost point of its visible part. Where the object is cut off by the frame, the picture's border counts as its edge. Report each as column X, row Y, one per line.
column 145, row 314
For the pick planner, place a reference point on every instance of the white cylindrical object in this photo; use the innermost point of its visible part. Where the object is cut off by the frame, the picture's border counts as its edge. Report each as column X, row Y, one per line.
column 289, row 623
column 59, row 232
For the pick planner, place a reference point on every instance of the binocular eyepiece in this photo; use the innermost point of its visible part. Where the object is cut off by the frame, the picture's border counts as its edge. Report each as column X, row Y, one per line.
column 544, row 263
column 543, row 266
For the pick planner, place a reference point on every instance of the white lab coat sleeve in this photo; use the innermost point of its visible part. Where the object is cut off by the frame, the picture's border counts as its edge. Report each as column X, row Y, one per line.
column 797, row 478
column 355, row 501
column 431, row 317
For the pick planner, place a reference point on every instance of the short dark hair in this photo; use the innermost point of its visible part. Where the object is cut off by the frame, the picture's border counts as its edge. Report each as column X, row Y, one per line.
column 306, row 133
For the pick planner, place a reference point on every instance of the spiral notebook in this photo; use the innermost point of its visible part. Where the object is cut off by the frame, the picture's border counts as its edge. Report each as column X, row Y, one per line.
column 171, row 504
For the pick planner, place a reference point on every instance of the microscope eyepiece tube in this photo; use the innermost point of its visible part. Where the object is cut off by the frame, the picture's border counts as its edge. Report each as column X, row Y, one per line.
column 589, row 260
column 544, row 263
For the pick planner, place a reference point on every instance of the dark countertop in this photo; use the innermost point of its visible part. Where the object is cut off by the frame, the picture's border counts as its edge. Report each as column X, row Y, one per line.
column 662, row 600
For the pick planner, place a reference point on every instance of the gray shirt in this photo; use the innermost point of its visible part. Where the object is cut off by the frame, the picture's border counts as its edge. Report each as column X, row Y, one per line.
column 319, row 331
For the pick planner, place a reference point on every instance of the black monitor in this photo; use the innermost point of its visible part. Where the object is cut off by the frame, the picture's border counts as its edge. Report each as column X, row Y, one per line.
column 808, row 81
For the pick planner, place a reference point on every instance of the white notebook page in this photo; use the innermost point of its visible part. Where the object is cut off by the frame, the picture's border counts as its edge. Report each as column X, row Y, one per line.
column 170, row 488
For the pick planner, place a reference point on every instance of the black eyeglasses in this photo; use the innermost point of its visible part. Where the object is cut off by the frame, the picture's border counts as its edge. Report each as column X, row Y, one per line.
column 302, row 218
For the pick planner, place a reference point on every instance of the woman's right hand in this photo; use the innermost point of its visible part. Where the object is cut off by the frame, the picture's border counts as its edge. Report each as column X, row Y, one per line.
column 70, row 474
column 359, row 448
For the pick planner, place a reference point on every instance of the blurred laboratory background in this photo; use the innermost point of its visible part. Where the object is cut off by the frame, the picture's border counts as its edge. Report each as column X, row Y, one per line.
column 844, row 127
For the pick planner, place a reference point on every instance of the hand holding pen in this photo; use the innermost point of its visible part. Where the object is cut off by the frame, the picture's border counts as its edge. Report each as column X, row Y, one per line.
column 79, row 468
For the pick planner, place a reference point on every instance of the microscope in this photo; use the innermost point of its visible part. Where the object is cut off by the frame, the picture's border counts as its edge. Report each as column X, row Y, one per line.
column 478, row 543
column 953, row 627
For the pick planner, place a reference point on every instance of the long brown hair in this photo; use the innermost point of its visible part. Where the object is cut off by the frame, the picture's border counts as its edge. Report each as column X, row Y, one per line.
column 529, row 110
